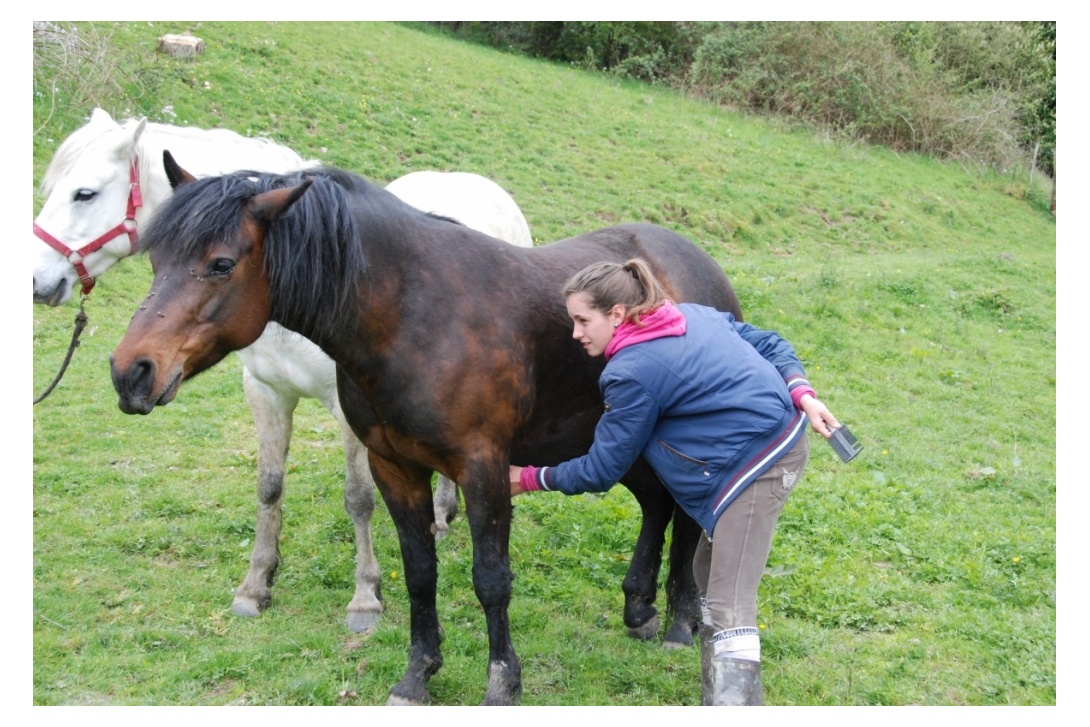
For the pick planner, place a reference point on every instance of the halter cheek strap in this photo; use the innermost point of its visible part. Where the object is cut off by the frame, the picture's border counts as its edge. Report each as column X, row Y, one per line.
column 126, row 227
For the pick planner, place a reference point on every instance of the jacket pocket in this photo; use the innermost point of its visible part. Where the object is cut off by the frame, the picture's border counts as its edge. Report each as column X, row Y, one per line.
column 682, row 455
column 691, row 466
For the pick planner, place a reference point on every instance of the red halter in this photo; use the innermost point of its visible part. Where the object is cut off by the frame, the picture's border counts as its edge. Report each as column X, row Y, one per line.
column 126, row 227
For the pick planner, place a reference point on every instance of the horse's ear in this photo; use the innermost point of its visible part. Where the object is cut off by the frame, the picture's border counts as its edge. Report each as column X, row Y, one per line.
column 266, row 208
column 132, row 130
column 175, row 174
column 140, row 126
column 101, row 117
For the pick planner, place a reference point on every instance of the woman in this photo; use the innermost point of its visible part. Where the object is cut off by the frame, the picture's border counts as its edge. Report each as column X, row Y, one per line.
column 718, row 408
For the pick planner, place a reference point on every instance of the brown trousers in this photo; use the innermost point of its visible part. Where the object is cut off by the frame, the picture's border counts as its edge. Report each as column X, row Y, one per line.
column 728, row 567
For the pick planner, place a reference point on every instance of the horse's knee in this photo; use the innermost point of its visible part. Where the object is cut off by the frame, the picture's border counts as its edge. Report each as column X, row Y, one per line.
column 270, row 487
column 492, row 584
column 359, row 502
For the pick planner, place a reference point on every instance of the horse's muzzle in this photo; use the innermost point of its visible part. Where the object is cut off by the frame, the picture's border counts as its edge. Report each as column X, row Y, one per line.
column 135, row 387
column 53, row 296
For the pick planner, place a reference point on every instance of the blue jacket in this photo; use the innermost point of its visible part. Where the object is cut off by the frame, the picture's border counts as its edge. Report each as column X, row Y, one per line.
column 710, row 410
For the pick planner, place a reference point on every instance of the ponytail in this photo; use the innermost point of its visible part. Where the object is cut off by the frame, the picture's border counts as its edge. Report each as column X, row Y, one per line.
column 631, row 284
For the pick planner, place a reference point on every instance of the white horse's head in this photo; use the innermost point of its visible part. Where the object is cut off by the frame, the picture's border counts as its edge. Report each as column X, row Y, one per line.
column 89, row 185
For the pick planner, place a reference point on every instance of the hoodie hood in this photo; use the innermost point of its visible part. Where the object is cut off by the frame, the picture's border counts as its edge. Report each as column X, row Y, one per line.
column 666, row 320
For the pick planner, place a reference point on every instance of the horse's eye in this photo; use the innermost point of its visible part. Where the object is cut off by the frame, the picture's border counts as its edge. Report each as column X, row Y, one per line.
column 82, row 195
column 222, row 266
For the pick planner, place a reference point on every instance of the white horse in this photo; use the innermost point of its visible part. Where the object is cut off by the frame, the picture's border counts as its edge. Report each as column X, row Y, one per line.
column 104, row 183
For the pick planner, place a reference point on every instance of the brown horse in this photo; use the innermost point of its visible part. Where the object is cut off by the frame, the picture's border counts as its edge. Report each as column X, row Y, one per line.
column 453, row 353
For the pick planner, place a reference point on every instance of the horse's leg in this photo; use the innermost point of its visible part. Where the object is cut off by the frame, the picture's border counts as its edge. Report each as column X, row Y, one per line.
column 641, row 582
column 446, row 506
column 488, row 509
column 407, row 493
column 640, row 585
column 272, row 414
column 365, row 608
column 682, row 595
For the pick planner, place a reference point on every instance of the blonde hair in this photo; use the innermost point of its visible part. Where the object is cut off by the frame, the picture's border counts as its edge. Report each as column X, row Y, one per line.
column 631, row 284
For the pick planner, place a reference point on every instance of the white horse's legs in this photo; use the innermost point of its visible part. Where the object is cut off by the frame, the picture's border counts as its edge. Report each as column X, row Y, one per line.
column 365, row 608
column 272, row 411
column 446, row 506
column 272, row 418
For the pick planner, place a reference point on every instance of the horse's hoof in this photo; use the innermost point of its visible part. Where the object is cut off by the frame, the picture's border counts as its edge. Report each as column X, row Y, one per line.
column 395, row 701
column 504, row 685
column 678, row 637
column 646, row 632
column 362, row 622
column 246, row 607
column 491, row 701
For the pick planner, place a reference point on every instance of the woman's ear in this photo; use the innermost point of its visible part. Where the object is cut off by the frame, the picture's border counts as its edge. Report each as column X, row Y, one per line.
column 617, row 314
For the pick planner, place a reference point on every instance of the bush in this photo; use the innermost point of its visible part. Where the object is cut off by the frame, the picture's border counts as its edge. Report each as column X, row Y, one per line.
column 880, row 83
column 72, row 69
column 982, row 92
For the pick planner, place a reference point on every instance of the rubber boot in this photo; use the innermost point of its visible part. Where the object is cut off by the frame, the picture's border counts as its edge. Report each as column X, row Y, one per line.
column 735, row 682
column 707, row 650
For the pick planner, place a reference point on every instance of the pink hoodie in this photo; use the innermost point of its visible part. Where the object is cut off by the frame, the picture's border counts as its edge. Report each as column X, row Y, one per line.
column 666, row 320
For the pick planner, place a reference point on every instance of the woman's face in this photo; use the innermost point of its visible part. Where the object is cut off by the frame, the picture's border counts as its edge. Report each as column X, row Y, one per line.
column 593, row 328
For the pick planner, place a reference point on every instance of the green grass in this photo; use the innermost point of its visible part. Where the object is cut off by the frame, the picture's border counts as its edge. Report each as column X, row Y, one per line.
column 921, row 297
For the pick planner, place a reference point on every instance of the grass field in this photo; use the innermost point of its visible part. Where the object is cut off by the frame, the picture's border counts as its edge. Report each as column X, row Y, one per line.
column 920, row 295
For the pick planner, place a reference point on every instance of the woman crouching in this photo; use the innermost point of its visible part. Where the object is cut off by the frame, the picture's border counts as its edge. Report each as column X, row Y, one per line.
column 719, row 410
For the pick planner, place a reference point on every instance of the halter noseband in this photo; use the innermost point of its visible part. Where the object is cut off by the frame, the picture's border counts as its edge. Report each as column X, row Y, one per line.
column 126, row 227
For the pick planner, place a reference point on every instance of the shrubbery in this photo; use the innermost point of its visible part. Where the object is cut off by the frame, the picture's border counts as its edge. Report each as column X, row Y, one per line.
column 982, row 92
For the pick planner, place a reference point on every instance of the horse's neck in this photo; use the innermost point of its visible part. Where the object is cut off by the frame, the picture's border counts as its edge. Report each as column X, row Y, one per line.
column 204, row 153
column 397, row 261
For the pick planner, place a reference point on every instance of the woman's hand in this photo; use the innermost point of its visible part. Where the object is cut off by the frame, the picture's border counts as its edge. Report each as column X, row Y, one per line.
column 821, row 419
column 516, row 486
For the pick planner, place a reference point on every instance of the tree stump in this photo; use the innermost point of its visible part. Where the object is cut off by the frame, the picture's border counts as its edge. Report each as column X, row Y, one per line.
column 180, row 46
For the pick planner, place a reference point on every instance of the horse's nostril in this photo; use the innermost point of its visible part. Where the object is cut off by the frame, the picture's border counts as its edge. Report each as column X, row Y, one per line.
column 135, row 381
column 142, row 376
column 134, row 386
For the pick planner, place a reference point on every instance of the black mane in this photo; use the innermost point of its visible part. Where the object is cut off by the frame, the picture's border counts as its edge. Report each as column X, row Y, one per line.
column 313, row 256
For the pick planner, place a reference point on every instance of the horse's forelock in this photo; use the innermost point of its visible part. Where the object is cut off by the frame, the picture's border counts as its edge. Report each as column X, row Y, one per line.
column 69, row 152
column 197, row 214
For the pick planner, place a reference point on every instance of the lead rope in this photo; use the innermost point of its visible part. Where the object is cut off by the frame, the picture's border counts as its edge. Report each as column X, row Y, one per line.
column 81, row 323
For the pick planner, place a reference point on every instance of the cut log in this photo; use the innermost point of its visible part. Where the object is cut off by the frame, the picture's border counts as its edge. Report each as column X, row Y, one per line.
column 180, row 46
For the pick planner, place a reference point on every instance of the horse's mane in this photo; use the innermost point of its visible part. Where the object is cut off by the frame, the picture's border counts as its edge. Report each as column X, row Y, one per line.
column 313, row 256
column 225, row 143
column 72, row 148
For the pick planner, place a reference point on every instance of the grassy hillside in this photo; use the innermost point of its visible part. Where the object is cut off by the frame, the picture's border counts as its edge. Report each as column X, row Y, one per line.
column 921, row 297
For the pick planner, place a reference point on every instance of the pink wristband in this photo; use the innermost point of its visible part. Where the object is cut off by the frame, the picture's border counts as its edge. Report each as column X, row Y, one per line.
column 800, row 391
column 528, row 479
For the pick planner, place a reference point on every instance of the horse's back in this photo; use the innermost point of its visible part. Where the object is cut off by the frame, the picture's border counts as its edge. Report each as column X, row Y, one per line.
column 688, row 272
column 473, row 200
column 559, row 364
column 207, row 152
